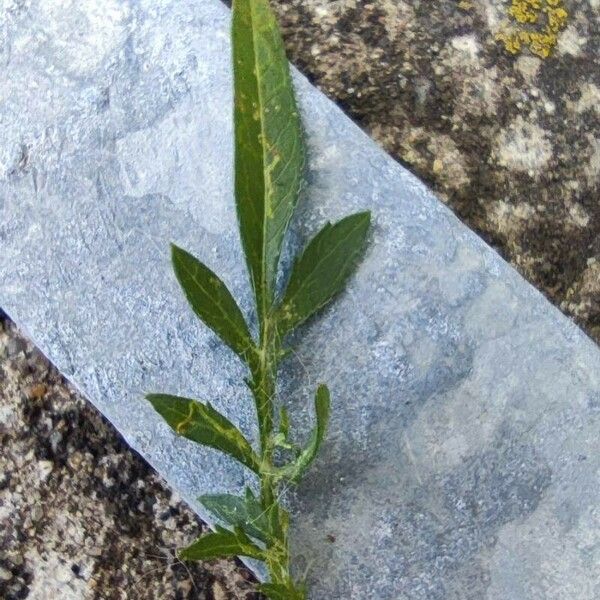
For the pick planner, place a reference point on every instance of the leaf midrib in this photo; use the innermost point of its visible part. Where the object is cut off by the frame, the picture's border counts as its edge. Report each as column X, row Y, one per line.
column 263, row 310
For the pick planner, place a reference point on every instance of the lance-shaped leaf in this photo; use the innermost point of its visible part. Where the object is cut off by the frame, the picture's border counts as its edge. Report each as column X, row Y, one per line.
column 322, row 409
column 212, row 301
column 201, row 423
column 281, row 591
column 322, row 270
column 240, row 511
column 222, row 543
column 269, row 152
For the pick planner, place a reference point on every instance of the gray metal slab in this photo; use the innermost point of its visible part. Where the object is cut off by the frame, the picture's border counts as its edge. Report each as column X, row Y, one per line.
column 463, row 457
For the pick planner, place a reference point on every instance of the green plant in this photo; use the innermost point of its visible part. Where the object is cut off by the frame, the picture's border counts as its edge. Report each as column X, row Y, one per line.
column 269, row 159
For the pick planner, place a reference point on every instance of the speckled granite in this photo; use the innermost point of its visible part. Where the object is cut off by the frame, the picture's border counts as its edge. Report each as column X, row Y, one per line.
column 446, row 180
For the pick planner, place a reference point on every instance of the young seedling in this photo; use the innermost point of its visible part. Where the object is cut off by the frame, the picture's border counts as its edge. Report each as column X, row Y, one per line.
column 269, row 160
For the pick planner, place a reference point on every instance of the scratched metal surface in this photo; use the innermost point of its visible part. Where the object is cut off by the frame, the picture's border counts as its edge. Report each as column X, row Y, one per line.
column 463, row 456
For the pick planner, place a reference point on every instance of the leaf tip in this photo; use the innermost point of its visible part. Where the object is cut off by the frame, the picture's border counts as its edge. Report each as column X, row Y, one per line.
column 179, row 255
column 364, row 217
column 183, row 554
column 154, row 399
column 323, row 394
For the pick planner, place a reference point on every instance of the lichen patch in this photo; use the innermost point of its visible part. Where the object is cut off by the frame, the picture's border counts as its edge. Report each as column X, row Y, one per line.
column 534, row 25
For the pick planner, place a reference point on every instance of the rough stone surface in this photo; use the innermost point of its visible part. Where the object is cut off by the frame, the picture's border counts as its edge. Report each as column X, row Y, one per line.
column 82, row 516
column 510, row 142
column 464, row 446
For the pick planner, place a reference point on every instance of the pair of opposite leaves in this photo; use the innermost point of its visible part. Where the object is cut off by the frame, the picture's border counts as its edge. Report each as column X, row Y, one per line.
column 269, row 160
column 317, row 276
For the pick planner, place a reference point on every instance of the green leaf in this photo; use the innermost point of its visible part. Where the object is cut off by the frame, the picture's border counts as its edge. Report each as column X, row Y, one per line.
column 201, row 423
column 280, row 591
column 284, row 422
column 322, row 410
column 323, row 268
column 269, row 149
column 222, row 543
column 241, row 511
column 212, row 301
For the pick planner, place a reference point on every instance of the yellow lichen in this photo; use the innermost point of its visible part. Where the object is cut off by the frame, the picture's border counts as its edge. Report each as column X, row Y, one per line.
column 536, row 26
column 525, row 11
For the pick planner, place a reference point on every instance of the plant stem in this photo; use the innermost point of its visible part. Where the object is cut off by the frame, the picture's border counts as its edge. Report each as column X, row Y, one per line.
column 264, row 395
column 264, row 388
column 264, row 373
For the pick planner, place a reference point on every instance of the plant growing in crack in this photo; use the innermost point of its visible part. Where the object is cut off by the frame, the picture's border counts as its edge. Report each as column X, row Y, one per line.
column 269, row 160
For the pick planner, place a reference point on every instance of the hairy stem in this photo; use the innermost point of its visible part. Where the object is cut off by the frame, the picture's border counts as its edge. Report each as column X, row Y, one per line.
column 264, row 373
